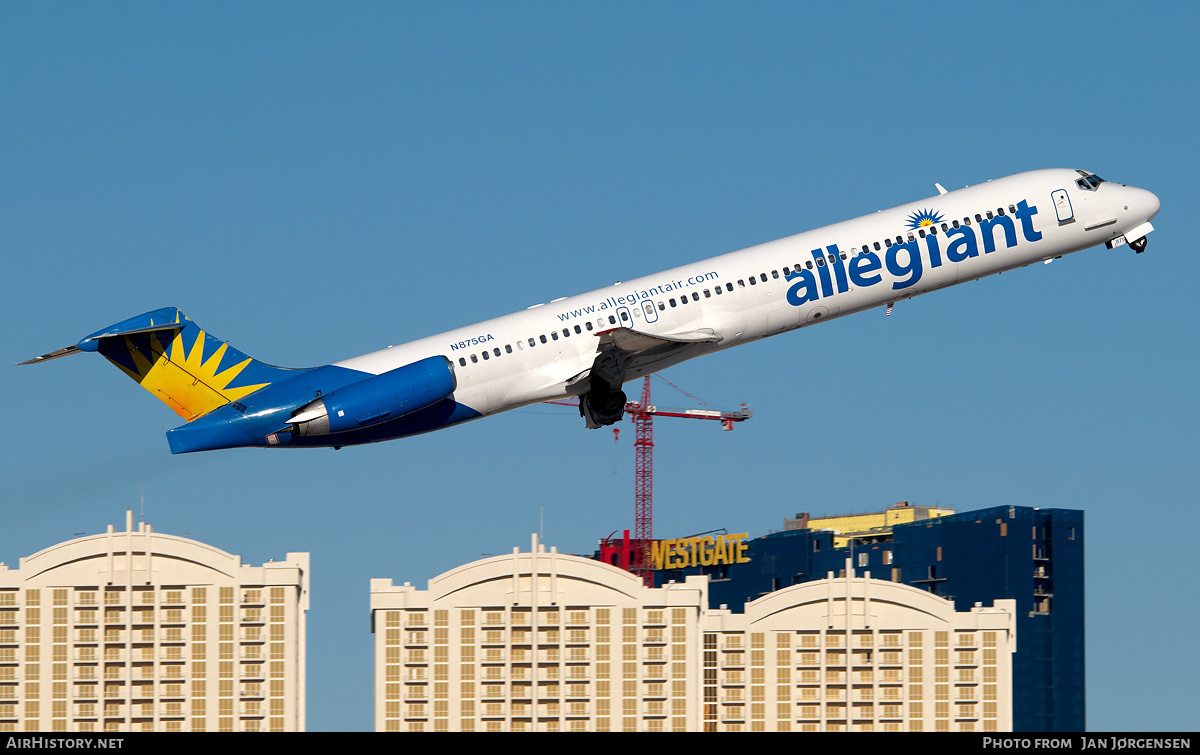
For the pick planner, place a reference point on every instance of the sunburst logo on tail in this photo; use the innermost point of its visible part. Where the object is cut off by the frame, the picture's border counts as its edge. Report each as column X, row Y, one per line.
column 183, row 378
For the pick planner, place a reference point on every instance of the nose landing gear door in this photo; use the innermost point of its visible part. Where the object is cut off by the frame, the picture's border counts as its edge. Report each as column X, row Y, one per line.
column 1062, row 206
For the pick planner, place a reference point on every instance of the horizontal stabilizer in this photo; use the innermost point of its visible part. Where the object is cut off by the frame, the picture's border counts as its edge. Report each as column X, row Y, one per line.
column 64, row 352
column 118, row 331
column 92, row 342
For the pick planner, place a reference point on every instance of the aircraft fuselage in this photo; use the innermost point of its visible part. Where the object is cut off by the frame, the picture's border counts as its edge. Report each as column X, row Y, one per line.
column 588, row 345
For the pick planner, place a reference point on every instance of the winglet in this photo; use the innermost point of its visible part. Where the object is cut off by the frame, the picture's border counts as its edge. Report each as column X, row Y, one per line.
column 940, row 189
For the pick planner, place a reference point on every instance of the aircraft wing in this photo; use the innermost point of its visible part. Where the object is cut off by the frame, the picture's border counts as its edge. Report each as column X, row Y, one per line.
column 625, row 353
column 636, row 342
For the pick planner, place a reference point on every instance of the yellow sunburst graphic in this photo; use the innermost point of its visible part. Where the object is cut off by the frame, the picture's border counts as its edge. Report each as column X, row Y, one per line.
column 187, row 382
column 924, row 219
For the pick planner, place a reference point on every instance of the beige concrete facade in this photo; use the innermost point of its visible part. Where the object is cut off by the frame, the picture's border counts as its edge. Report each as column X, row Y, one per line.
column 543, row 641
column 141, row 631
column 899, row 659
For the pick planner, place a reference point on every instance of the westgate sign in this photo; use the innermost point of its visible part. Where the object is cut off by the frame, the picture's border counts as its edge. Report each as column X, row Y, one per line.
column 699, row 551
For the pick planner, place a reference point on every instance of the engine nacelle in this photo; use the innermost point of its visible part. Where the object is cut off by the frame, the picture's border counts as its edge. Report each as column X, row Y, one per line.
column 377, row 399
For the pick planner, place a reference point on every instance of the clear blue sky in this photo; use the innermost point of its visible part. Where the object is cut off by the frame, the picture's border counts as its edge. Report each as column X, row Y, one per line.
column 312, row 181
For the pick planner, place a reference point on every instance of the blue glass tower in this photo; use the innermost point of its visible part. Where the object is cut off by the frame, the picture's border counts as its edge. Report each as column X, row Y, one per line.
column 1033, row 556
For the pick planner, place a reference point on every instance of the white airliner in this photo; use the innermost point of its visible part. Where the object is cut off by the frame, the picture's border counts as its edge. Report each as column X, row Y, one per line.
column 590, row 345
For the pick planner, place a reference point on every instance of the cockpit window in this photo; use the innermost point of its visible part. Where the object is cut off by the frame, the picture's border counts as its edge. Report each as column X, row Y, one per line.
column 1089, row 182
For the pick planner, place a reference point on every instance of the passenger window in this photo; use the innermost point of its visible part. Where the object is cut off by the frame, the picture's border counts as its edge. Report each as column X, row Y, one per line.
column 497, row 350
column 532, row 342
column 877, row 246
column 717, row 290
column 753, row 282
column 695, row 296
column 742, row 284
column 485, row 356
column 588, row 325
column 775, row 274
column 462, row 362
column 820, row 262
column 662, row 307
column 553, row 336
column 624, row 316
column 763, row 277
column 543, row 338
column 578, row 330
column 507, row 348
column 672, row 302
column 474, row 359
column 612, row 320
column 729, row 287
column 707, row 295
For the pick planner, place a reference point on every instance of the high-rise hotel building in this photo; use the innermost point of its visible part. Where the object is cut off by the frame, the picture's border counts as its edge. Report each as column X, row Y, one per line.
column 543, row 641
column 1034, row 556
column 141, row 631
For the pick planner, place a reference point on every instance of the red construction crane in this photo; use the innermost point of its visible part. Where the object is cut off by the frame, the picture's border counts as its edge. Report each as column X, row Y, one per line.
column 635, row 555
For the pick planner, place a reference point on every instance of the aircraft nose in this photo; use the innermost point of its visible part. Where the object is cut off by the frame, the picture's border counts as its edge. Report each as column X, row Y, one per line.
column 1145, row 203
column 1152, row 204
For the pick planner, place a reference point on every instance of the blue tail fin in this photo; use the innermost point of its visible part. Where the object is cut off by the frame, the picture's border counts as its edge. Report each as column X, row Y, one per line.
column 181, row 365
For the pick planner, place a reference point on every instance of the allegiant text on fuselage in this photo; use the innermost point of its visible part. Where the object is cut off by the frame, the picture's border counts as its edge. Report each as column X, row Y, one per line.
column 905, row 261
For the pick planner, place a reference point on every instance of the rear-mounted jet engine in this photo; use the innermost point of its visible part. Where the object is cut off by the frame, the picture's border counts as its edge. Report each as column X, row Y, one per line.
column 377, row 399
